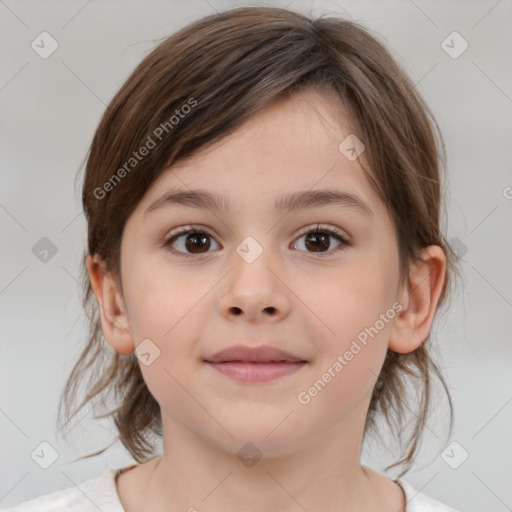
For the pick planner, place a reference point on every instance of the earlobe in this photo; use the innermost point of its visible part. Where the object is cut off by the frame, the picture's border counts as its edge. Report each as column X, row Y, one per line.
column 419, row 300
column 114, row 317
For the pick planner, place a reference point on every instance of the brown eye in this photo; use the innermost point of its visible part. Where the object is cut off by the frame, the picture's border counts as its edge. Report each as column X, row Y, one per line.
column 318, row 240
column 197, row 242
column 189, row 242
column 192, row 241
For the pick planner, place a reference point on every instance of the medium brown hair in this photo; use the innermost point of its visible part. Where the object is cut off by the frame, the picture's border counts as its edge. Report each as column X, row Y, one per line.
column 230, row 66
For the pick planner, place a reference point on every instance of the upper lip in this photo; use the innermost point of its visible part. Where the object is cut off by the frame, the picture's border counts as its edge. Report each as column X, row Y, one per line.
column 261, row 354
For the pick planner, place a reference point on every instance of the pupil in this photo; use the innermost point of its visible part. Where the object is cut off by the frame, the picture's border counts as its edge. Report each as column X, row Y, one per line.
column 192, row 239
column 315, row 238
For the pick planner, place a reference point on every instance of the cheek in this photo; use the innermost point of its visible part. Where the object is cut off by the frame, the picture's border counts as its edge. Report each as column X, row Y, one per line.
column 160, row 300
column 352, row 318
column 166, row 308
column 344, row 305
column 174, row 329
column 351, row 356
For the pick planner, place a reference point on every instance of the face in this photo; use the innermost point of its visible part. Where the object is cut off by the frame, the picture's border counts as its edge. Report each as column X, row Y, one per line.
column 319, row 281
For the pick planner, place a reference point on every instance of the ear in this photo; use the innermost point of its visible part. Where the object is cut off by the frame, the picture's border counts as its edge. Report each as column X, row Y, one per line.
column 114, row 317
column 419, row 300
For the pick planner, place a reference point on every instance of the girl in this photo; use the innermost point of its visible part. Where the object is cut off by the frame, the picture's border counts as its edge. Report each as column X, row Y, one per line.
column 263, row 200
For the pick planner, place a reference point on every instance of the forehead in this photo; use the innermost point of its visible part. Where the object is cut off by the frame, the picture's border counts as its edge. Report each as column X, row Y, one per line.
column 307, row 120
column 292, row 145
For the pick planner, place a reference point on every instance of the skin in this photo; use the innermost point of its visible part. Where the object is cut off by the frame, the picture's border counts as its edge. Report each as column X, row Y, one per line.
column 192, row 307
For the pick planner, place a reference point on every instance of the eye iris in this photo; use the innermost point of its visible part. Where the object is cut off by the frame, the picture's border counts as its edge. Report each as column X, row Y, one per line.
column 191, row 242
column 315, row 238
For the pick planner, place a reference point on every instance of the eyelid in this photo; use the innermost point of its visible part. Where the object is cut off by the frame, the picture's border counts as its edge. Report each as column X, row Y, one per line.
column 323, row 227
column 182, row 230
column 307, row 229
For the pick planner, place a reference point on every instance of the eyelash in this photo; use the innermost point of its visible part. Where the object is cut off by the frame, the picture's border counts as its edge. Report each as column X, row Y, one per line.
column 345, row 243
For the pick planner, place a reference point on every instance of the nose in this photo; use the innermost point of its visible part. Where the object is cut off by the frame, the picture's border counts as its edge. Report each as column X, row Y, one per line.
column 255, row 292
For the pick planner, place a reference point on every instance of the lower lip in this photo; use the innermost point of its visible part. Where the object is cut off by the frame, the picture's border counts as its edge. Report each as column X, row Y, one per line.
column 257, row 372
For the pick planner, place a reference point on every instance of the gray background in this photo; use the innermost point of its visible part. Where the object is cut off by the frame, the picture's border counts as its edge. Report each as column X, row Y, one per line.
column 50, row 109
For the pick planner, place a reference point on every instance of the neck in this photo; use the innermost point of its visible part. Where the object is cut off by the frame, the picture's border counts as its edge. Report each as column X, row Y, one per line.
column 322, row 476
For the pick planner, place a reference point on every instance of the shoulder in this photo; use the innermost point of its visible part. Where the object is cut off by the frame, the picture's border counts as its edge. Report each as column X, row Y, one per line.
column 89, row 496
column 419, row 502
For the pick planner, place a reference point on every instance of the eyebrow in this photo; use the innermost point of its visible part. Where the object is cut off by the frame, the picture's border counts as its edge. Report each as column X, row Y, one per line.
column 287, row 203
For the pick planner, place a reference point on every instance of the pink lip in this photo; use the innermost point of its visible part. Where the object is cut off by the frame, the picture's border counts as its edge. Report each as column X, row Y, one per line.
column 257, row 372
column 255, row 364
column 261, row 354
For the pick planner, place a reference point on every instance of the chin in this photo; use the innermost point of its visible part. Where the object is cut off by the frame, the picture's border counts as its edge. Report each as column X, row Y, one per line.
column 261, row 439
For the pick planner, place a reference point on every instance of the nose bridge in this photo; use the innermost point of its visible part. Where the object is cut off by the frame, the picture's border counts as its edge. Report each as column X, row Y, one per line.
column 252, row 260
column 253, row 284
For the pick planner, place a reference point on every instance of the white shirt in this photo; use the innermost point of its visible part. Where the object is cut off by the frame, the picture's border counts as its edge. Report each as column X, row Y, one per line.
column 101, row 493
